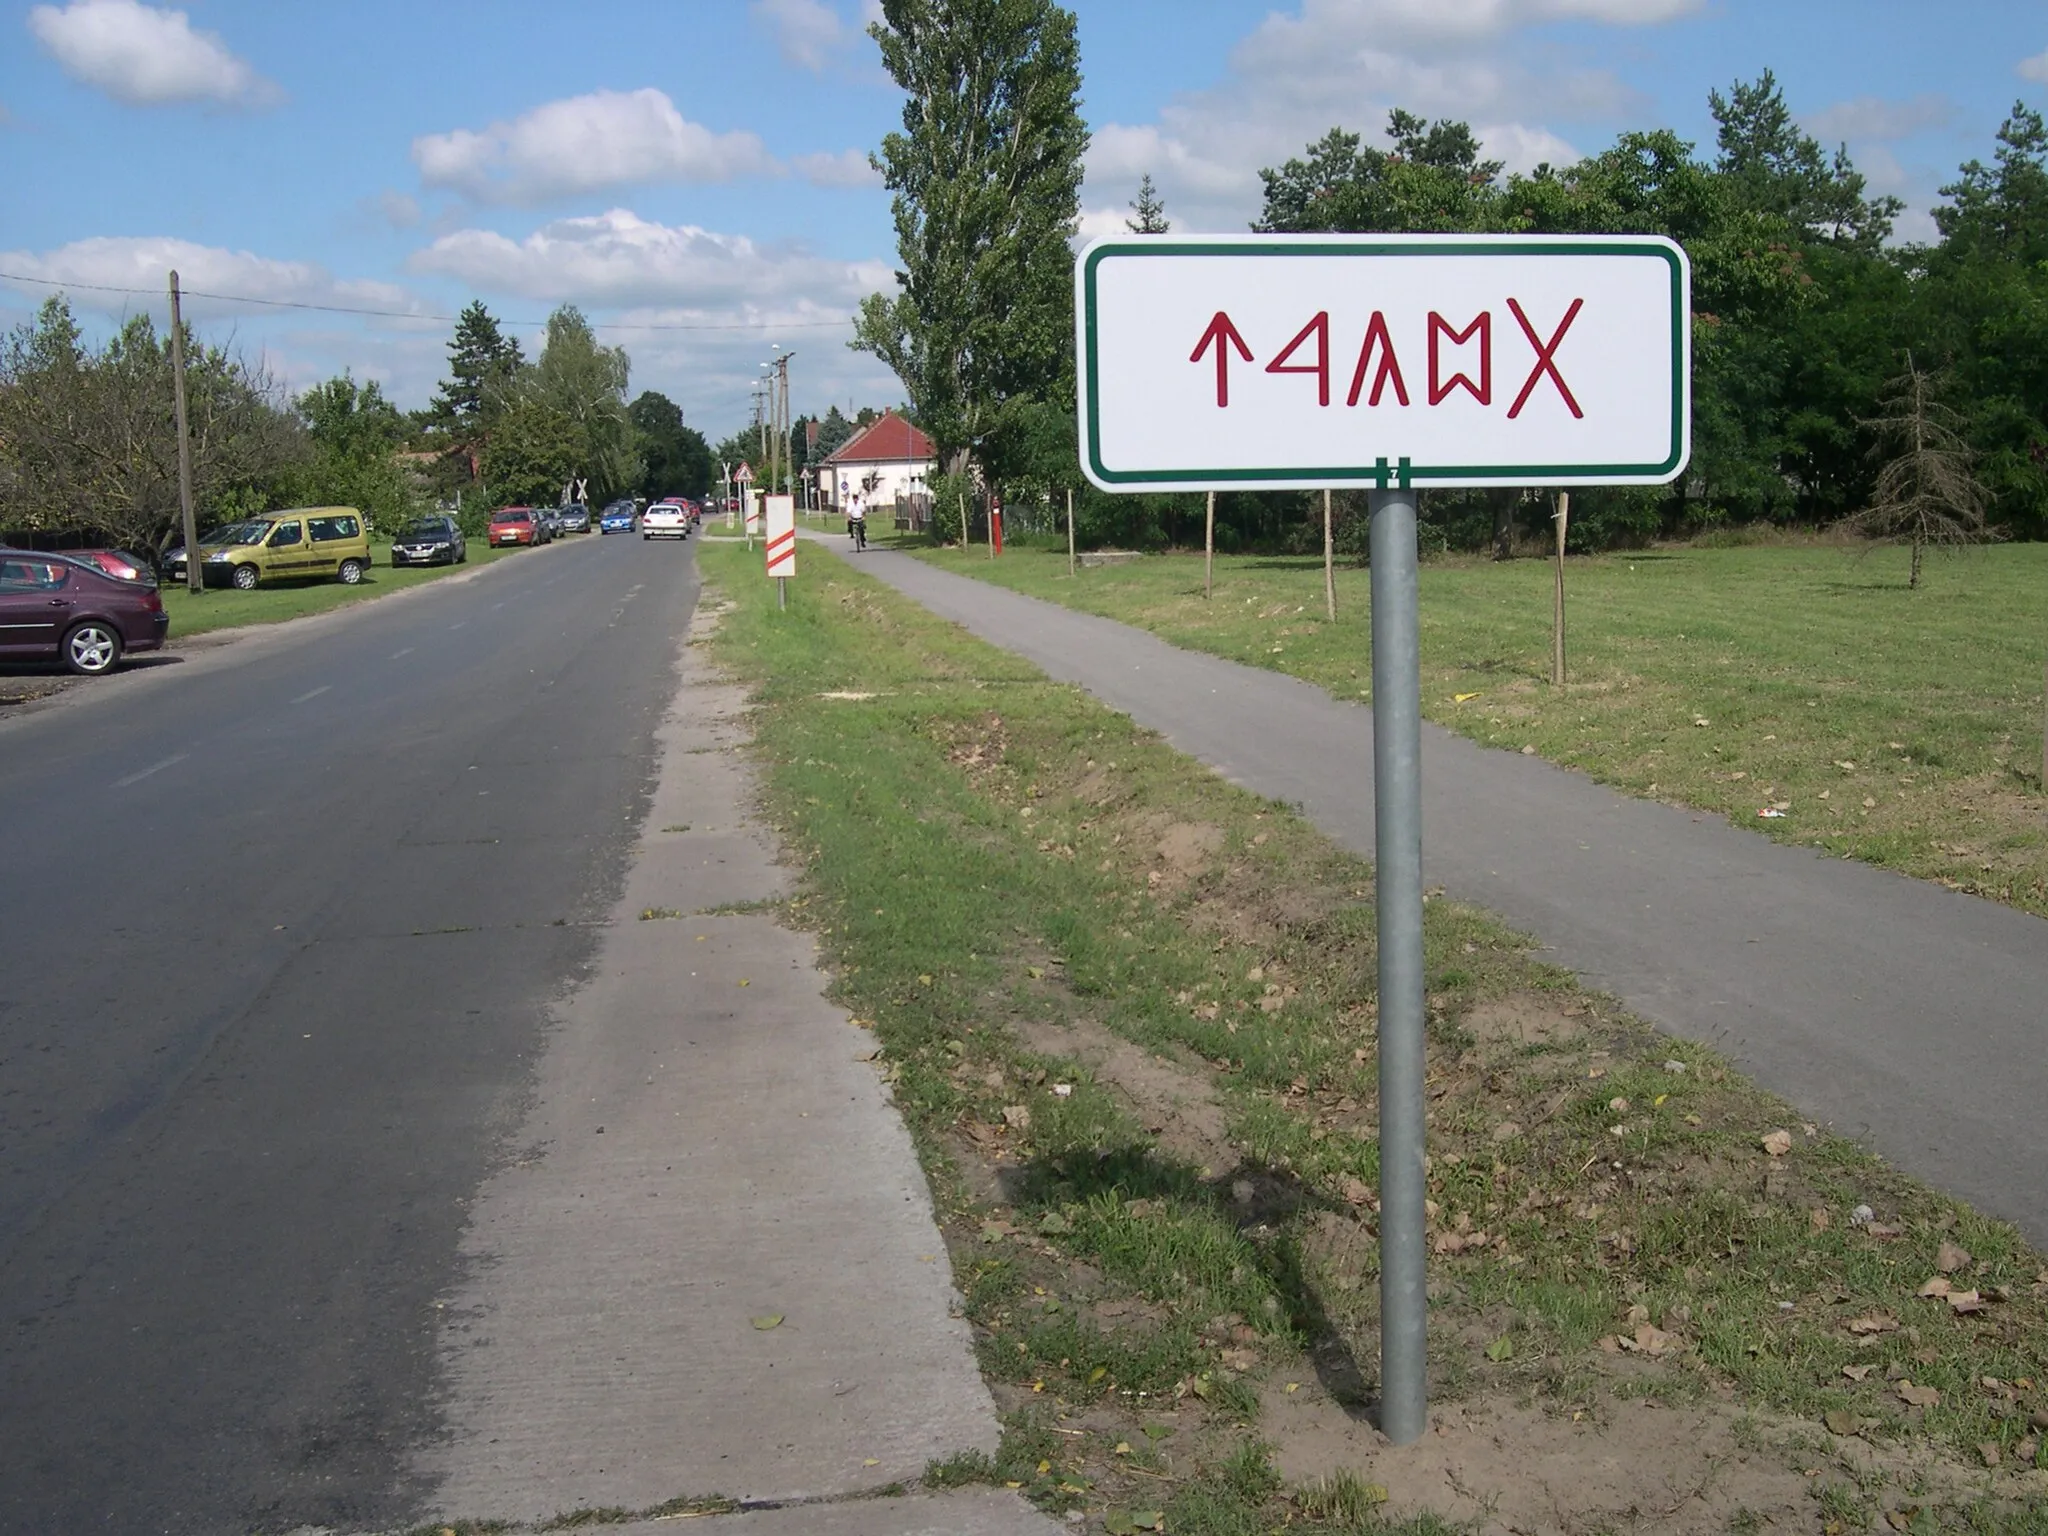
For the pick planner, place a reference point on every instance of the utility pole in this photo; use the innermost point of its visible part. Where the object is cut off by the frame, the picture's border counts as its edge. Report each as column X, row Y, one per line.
column 195, row 580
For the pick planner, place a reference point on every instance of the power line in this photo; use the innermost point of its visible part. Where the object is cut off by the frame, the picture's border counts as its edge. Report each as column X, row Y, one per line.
column 407, row 314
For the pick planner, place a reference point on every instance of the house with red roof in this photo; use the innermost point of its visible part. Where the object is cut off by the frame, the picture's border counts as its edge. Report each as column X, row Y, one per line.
column 888, row 461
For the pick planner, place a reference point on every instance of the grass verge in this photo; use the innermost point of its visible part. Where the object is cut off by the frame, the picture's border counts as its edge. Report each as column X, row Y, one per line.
column 1128, row 1014
column 225, row 608
column 1898, row 727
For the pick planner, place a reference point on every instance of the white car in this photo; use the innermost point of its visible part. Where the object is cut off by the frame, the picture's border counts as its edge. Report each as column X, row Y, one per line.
column 665, row 520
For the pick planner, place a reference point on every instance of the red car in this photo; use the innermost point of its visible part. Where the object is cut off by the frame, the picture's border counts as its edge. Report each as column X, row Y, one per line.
column 117, row 562
column 52, row 606
column 513, row 525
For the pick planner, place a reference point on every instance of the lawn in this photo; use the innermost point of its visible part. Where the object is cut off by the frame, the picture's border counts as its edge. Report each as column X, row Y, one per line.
column 225, row 608
column 1895, row 726
column 1128, row 1014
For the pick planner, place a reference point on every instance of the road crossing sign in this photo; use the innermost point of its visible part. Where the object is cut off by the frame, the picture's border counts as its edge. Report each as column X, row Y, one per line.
column 1277, row 362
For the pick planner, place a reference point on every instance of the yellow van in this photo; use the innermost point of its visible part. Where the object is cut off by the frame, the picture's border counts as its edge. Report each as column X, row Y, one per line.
column 304, row 543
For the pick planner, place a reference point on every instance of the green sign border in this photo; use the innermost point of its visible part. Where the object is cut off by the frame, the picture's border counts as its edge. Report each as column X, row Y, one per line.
column 1525, row 474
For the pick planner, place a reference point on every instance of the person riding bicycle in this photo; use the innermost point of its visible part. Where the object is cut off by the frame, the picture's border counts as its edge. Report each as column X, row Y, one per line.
column 857, row 521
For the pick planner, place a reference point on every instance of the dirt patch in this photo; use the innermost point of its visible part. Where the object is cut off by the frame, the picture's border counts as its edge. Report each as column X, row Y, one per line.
column 1508, row 1467
column 1174, row 1103
column 1521, row 1019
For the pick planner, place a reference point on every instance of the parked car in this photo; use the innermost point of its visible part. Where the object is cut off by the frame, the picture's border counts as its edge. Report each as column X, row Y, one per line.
column 550, row 519
column 435, row 540
column 617, row 518
column 665, row 520
column 514, row 525
column 117, row 562
column 574, row 518
column 302, row 543
column 55, row 607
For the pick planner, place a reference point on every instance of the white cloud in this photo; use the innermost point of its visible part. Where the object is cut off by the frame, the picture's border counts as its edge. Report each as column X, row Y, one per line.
column 807, row 33
column 2035, row 69
column 398, row 210
column 146, row 55
column 583, row 144
column 848, row 168
column 1876, row 119
column 144, row 263
column 619, row 258
column 1345, row 63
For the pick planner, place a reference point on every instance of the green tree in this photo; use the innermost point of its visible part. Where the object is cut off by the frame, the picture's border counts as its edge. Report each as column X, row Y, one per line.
column 1431, row 180
column 585, row 381
column 88, row 437
column 1774, row 167
column 675, row 459
column 356, row 436
column 1150, row 210
column 834, row 430
column 482, row 362
column 2001, row 211
column 987, row 178
column 535, row 448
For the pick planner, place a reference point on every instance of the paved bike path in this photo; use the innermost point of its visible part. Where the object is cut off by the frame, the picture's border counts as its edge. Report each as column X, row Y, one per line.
column 1908, row 1016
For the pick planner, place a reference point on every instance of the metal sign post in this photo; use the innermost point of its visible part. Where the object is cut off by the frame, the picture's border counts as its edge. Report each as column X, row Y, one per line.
column 1305, row 362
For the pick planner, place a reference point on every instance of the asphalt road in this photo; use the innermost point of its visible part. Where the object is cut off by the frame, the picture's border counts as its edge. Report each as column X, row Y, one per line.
column 280, row 927
column 1908, row 1016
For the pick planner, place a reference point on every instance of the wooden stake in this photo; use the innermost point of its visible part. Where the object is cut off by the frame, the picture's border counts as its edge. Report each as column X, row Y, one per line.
column 1561, row 517
column 1070, row 537
column 1329, row 565
column 963, row 520
column 1209, row 548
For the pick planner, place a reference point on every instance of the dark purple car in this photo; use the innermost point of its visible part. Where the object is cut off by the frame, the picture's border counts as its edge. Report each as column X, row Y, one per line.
column 56, row 608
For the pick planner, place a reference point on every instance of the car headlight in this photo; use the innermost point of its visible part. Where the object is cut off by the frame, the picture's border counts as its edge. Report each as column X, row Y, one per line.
column 218, row 557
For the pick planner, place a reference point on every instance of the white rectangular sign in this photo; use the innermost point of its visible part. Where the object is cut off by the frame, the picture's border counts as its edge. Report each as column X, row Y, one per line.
column 1264, row 362
column 781, row 535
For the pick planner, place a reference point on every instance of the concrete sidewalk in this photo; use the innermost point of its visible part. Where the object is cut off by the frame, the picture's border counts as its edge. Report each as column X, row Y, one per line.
column 712, row 1267
column 1910, row 1017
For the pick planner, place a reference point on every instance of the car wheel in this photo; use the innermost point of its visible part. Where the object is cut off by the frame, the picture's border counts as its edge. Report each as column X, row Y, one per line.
column 245, row 578
column 91, row 648
column 350, row 573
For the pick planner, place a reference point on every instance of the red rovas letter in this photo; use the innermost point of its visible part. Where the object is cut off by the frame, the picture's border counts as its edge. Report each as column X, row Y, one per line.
column 1390, row 366
column 1224, row 336
column 1320, row 329
column 1544, row 358
column 1483, row 328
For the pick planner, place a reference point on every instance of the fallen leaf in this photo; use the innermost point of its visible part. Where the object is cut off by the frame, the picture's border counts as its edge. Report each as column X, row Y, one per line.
column 1949, row 1258
column 1857, row 1372
column 1157, row 1431
column 768, row 1320
column 1017, row 1117
column 1460, row 698
column 1938, row 1286
column 1988, row 1449
column 1777, row 1143
column 1123, row 1448
column 1818, row 1219
column 1842, row 1421
column 1961, row 1302
column 1500, row 1349
column 1876, row 1322
column 1655, row 1341
column 1919, row 1397
column 1354, row 1190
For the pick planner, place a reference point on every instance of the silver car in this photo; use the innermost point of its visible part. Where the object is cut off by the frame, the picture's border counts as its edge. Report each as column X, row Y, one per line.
column 574, row 518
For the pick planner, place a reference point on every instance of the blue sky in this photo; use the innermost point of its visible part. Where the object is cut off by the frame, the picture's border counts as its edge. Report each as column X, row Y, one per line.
column 692, row 172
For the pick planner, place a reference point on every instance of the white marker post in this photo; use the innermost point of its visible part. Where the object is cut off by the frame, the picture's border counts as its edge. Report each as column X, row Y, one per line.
column 1290, row 362
column 781, row 544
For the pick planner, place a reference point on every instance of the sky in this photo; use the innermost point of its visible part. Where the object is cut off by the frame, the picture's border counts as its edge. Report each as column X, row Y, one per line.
column 693, row 173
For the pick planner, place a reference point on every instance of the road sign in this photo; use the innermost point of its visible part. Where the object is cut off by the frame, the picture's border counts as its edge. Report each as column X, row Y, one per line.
column 781, row 535
column 743, row 475
column 1243, row 362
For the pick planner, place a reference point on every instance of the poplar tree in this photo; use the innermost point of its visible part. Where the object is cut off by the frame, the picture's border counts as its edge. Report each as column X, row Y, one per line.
column 987, row 181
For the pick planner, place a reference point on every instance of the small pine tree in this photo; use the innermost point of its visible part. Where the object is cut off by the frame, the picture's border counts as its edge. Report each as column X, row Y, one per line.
column 1926, row 492
column 1150, row 209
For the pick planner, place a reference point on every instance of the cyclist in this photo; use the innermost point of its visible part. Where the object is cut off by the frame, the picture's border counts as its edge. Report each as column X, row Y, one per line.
column 857, row 521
